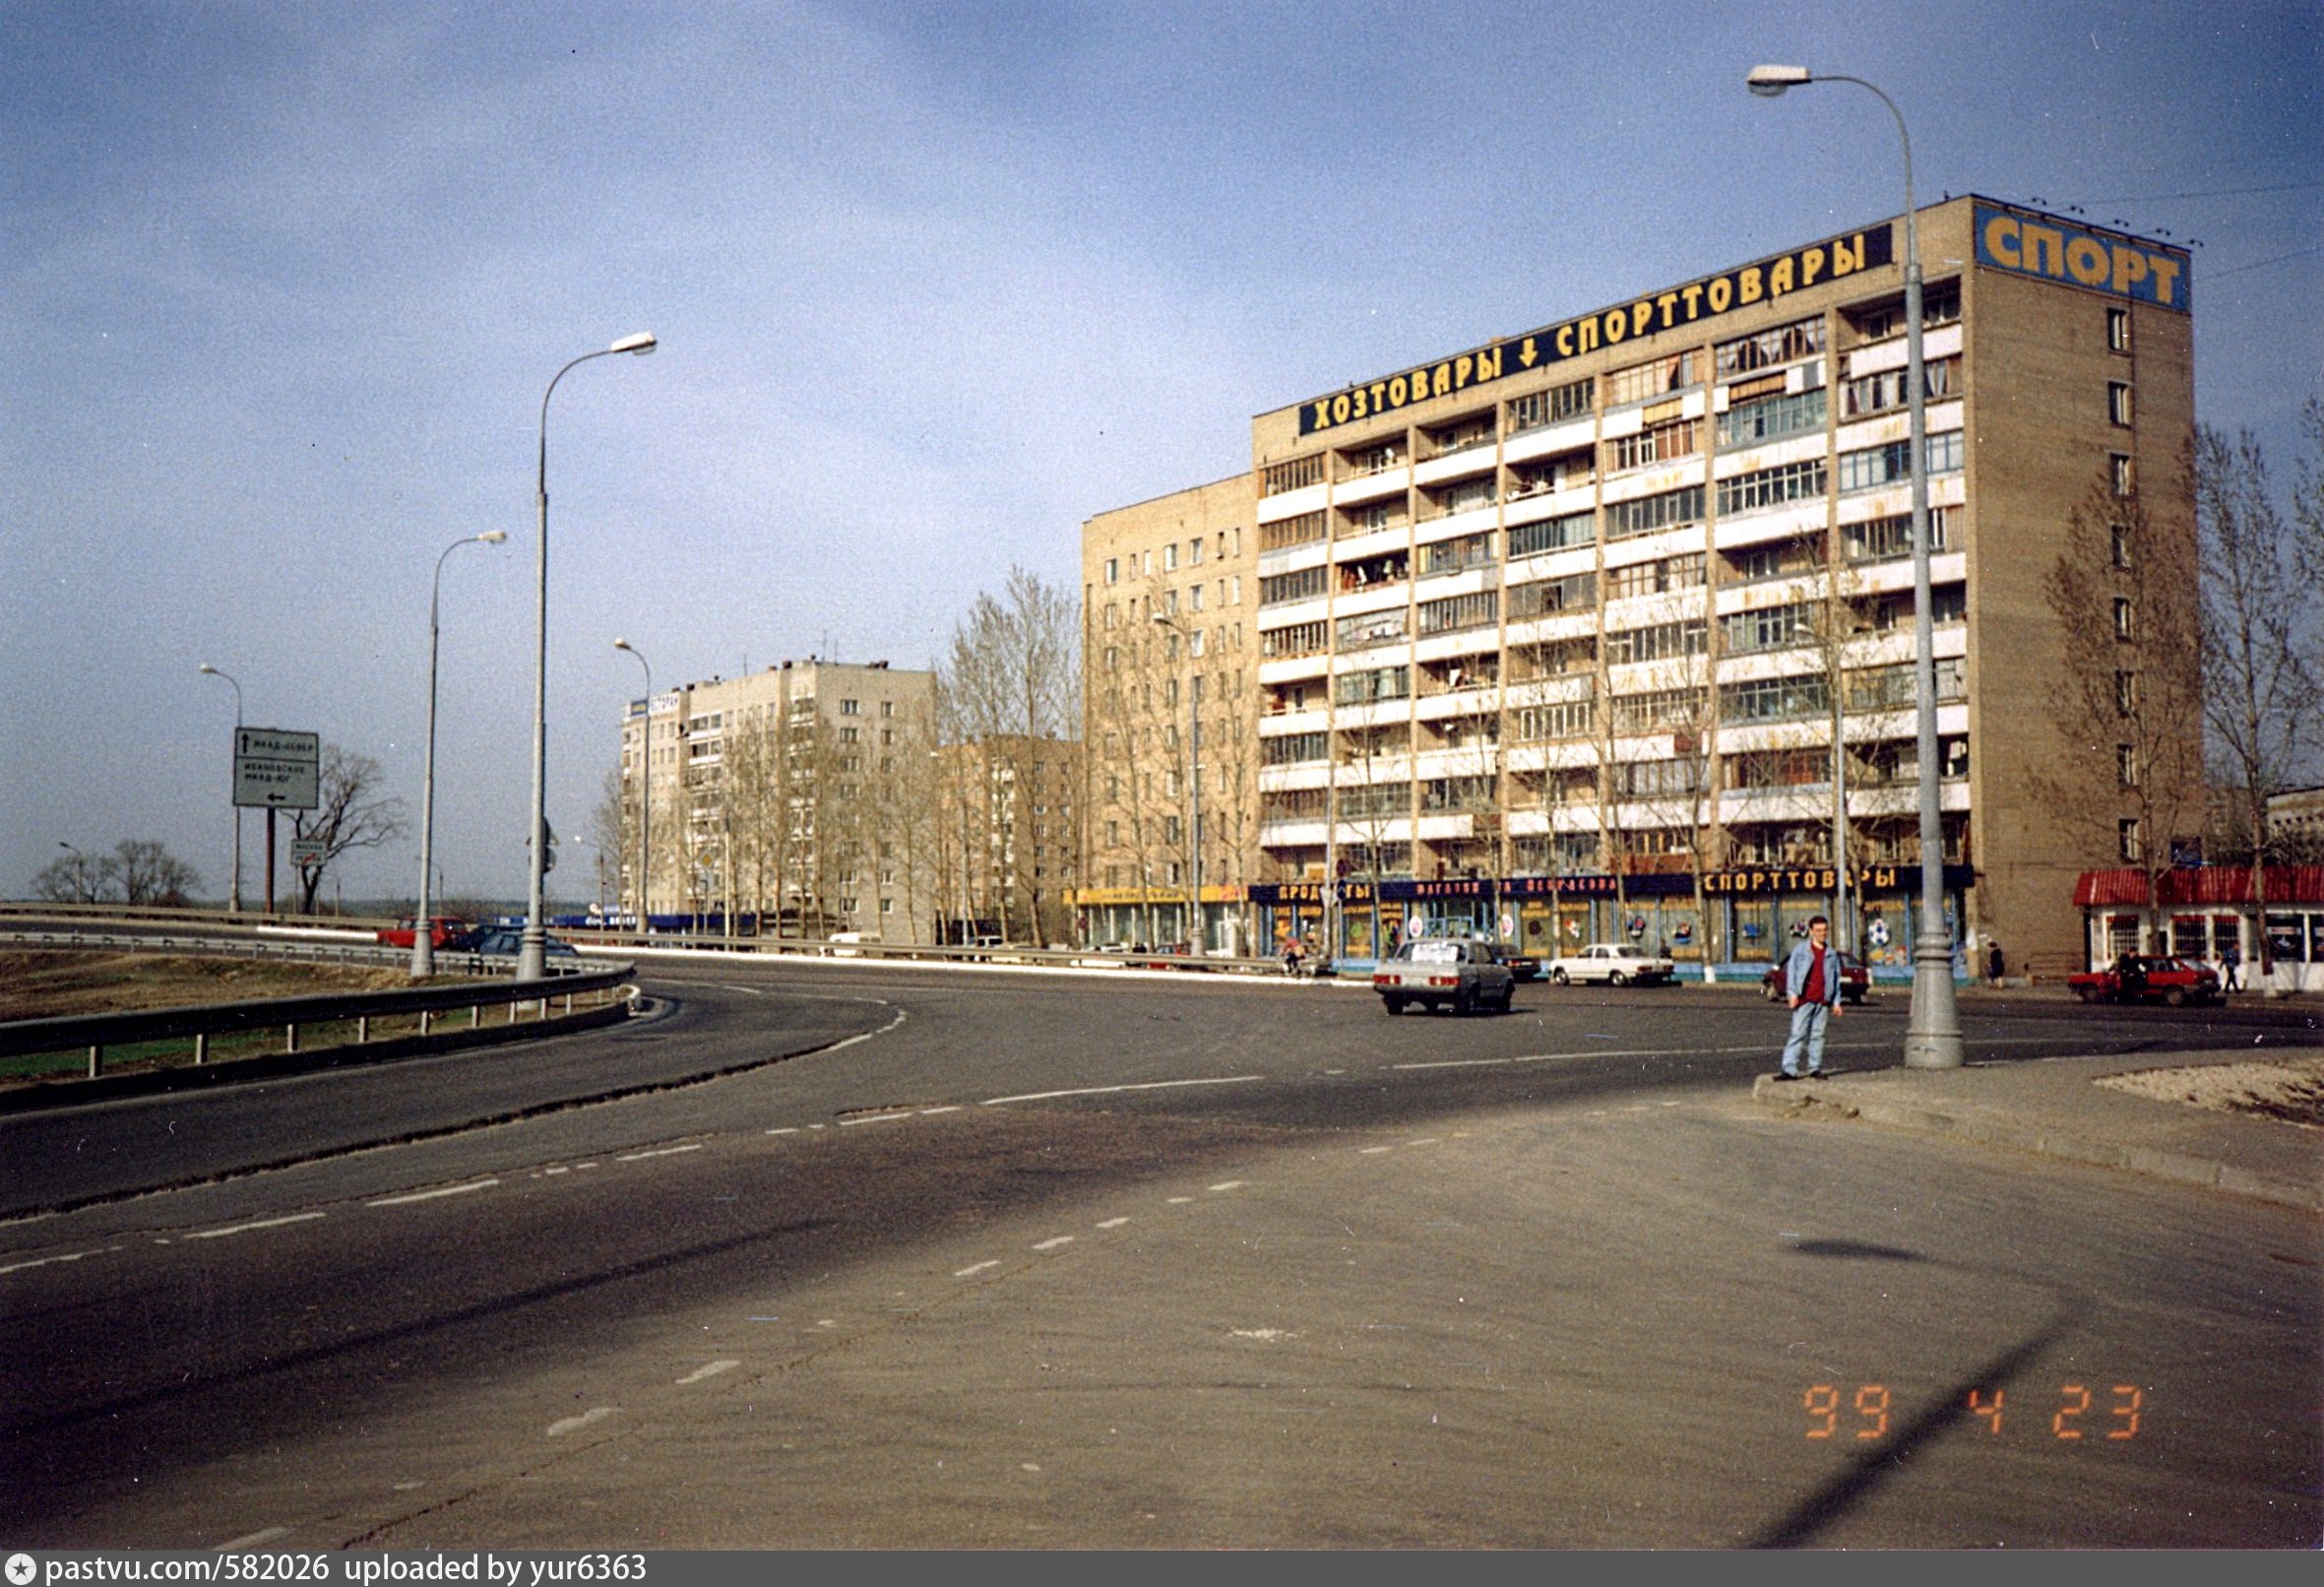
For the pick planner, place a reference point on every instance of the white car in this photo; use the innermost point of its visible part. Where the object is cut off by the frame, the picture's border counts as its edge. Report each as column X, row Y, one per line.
column 1617, row 964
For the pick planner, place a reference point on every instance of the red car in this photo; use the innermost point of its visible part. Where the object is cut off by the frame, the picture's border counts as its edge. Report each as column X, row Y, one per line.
column 2146, row 979
column 1855, row 981
column 447, row 929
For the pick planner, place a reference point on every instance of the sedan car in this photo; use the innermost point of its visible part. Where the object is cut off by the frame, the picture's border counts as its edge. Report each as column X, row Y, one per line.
column 446, row 929
column 1617, row 964
column 2141, row 979
column 1455, row 972
column 1855, row 981
column 508, row 941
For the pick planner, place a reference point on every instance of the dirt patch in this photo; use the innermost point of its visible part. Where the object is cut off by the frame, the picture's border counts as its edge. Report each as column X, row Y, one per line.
column 2290, row 1089
column 51, row 985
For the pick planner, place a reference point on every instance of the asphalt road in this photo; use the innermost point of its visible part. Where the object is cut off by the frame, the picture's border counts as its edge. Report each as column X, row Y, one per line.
column 1107, row 1262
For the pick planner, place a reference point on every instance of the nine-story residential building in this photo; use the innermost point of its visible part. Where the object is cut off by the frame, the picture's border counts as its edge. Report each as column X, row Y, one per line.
column 1557, row 634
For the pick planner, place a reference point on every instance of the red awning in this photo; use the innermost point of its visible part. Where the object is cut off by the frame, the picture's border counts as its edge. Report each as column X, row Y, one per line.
column 2200, row 886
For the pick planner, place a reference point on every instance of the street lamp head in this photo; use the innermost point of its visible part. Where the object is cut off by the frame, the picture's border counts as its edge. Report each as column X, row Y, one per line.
column 623, row 643
column 1770, row 81
column 642, row 342
column 207, row 667
column 493, row 537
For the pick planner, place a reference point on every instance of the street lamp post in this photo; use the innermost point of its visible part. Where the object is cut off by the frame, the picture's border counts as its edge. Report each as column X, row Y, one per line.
column 1932, row 1035
column 234, row 887
column 645, row 787
column 423, row 926
column 1195, row 933
column 533, row 946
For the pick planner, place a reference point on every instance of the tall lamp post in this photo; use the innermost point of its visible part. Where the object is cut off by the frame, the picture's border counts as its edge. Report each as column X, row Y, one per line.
column 533, row 946
column 1194, row 929
column 645, row 787
column 234, row 887
column 423, row 928
column 1932, row 1034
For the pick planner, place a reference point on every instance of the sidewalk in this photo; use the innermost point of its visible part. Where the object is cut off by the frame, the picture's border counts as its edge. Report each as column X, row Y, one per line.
column 2057, row 1107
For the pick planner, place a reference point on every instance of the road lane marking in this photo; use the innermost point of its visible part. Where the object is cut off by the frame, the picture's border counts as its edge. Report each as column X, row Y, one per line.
column 711, row 1371
column 1113, row 1223
column 786, row 1129
column 574, row 1423
column 1179, row 1201
column 431, row 1195
column 873, row 1118
column 1227, row 1184
column 1372, row 1151
column 1052, row 1244
column 69, row 1256
column 1559, row 1057
column 253, row 1539
column 263, row 1223
column 658, row 1151
column 948, row 1108
column 975, row 1269
column 1107, row 1091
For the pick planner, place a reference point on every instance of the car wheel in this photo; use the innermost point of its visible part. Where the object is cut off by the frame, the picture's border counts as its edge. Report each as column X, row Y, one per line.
column 2176, row 997
column 1464, row 1001
column 1508, row 997
column 2089, row 994
column 1614, row 978
column 1558, row 976
column 1394, row 1005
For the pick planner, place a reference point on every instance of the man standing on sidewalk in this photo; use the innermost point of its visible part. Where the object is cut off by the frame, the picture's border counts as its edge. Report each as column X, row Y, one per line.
column 1811, row 980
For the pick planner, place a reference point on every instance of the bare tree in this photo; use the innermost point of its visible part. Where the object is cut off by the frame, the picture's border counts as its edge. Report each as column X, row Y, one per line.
column 1010, row 685
column 350, row 814
column 76, row 878
column 2260, row 696
column 2129, row 705
column 147, row 872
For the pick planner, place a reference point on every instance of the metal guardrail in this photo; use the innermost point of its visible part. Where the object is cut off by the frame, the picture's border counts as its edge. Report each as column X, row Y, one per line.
column 96, row 1032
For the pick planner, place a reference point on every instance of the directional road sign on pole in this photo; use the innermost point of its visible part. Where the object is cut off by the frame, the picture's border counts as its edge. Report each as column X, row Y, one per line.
column 275, row 770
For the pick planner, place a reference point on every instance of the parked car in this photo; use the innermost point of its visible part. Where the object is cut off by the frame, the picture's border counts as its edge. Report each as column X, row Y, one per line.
column 1523, row 966
column 445, row 930
column 2143, row 979
column 1855, row 981
column 1456, row 973
column 1617, row 964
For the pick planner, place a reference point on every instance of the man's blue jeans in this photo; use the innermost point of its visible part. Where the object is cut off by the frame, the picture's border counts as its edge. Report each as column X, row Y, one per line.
column 1809, row 1021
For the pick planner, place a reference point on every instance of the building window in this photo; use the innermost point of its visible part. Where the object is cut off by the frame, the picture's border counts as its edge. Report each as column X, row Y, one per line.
column 1656, row 578
column 1785, row 344
column 1549, row 406
column 1291, row 476
column 2126, row 765
column 1660, row 378
column 1170, row 558
column 2125, row 693
column 1575, row 592
column 2120, row 536
column 1194, row 551
column 1552, row 534
column 2122, row 476
column 2118, row 329
column 850, row 708
column 2126, row 839
column 1643, row 515
column 1657, row 443
column 1291, row 531
column 1304, row 585
column 1194, row 594
column 1885, row 390
column 2124, row 626
column 1662, row 642
column 1770, row 419
column 2118, row 402
column 1772, row 488
column 1479, row 611
column 1113, row 570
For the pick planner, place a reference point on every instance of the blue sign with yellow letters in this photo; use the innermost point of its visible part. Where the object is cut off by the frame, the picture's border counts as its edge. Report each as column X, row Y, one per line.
column 2043, row 245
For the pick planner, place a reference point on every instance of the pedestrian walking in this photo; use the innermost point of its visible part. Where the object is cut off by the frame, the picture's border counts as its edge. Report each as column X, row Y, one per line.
column 2230, row 966
column 1812, row 984
column 1993, row 963
column 1290, row 956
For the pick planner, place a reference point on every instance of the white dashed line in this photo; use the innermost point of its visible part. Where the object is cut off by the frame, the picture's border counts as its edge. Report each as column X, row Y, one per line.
column 1428, row 1140
column 948, row 1108
column 43, row 1261
column 1179, row 1201
column 253, row 1539
column 1107, row 1091
column 1052, row 1244
column 263, row 1223
column 1113, row 1223
column 1374, row 1151
column 431, row 1195
column 1227, row 1184
column 574, row 1423
column 786, row 1129
column 711, row 1371
column 971, row 1271
column 659, row 1151
column 873, row 1118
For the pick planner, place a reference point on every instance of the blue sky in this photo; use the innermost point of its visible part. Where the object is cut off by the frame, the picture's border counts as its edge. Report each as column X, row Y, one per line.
column 283, row 285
